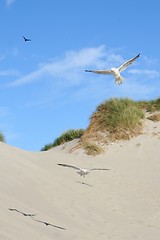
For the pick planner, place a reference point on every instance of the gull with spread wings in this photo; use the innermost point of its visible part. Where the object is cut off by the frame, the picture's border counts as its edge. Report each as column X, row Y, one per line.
column 116, row 71
column 82, row 171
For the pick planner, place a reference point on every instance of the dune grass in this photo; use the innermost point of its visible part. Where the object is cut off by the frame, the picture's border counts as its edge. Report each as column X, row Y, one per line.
column 120, row 118
column 2, row 138
column 120, row 114
column 116, row 118
column 92, row 148
column 150, row 106
column 65, row 137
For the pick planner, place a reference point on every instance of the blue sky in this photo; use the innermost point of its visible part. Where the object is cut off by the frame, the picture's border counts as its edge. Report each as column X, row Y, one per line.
column 44, row 89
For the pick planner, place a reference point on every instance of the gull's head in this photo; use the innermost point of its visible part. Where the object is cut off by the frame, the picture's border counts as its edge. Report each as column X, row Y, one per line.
column 113, row 70
column 84, row 170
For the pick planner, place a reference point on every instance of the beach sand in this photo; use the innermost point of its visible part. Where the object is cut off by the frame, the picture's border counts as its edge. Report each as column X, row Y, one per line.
column 120, row 204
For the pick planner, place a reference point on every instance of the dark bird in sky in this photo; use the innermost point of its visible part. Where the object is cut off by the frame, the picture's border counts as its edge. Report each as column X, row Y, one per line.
column 26, row 39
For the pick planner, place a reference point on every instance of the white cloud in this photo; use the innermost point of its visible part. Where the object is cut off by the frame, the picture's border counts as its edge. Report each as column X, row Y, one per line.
column 67, row 76
column 9, row 2
column 150, row 61
column 9, row 73
column 28, row 78
column 72, row 65
column 148, row 73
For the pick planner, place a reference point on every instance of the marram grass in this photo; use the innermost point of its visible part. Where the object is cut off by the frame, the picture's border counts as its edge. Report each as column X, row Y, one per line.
column 65, row 137
column 2, row 138
column 119, row 114
column 116, row 118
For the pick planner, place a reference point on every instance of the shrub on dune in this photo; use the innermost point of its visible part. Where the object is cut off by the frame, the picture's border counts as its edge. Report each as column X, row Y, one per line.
column 2, row 138
column 65, row 137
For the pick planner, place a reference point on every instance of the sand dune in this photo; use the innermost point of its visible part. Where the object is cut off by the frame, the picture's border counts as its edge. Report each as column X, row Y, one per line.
column 120, row 204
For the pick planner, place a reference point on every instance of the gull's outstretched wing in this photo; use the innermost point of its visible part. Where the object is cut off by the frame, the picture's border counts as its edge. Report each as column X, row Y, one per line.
column 99, row 169
column 100, row 71
column 67, row 165
column 127, row 63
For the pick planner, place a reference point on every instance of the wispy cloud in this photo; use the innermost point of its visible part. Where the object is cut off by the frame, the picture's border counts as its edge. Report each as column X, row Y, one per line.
column 68, row 72
column 150, row 61
column 9, row 73
column 9, row 2
column 72, row 65
column 148, row 73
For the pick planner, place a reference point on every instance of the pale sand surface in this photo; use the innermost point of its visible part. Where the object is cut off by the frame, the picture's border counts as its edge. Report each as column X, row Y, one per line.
column 120, row 204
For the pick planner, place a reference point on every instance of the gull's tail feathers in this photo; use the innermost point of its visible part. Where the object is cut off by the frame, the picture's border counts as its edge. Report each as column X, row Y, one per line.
column 119, row 80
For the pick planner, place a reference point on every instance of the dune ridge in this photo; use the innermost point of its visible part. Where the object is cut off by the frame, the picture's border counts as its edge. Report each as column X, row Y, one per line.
column 123, row 203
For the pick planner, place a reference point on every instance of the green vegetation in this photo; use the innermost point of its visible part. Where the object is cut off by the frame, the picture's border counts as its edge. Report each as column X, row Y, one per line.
column 92, row 148
column 65, row 137
column 119, row 114
column 150, row 106
column 2, row 138
column 119, row 118
column 47, row 147
column 113, row 119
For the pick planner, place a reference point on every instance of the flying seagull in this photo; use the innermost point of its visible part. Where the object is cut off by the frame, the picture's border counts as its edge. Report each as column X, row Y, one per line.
column 81, row 171
column 116, row 71
column 26, row 39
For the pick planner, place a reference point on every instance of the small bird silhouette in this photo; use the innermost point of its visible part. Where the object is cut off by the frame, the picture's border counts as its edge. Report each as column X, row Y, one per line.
column 26, row 39
column 82, row 171
column 116, row 71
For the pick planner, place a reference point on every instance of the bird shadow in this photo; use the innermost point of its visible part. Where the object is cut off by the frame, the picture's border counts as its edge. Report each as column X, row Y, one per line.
column 89, row 185
column 24, row 214
column 49, row 224
column 32, row 217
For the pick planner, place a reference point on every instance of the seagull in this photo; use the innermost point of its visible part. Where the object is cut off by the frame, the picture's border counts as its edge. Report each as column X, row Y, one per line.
column 82, row 171
column 26, row 39
column 116, row 71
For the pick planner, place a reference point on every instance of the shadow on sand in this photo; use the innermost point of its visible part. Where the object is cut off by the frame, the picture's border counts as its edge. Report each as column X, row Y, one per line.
column 89, row 185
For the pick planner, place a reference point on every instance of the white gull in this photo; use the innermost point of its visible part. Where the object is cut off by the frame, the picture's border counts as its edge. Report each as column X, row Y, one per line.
column 116, row 71
column 82, row 171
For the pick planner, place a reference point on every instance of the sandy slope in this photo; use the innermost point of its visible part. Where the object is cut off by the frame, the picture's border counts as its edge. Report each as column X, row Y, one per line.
column 120, row 204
